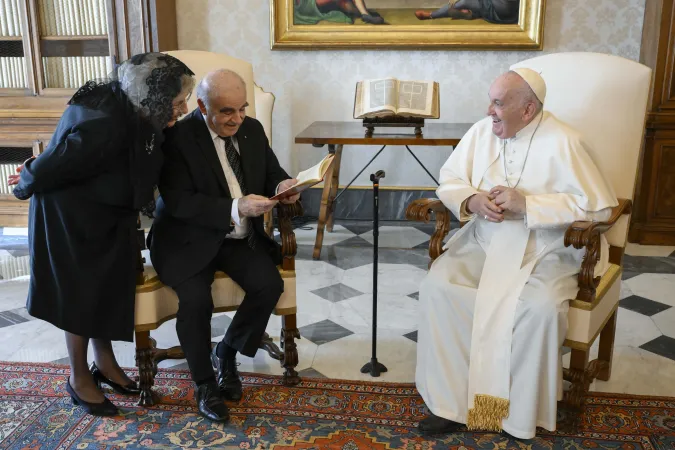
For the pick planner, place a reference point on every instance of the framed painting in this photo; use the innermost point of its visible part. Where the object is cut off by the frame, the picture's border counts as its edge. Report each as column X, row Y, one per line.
column 440, row 24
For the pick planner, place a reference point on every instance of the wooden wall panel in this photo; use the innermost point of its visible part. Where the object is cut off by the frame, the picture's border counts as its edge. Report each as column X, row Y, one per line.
column 664, row 205
column 653, row 220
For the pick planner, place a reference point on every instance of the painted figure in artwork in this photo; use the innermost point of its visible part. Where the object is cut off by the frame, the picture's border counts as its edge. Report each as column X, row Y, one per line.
column 310, row 12
column 493, row 11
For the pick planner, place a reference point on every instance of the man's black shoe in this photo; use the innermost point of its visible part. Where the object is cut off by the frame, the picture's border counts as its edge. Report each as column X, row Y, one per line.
column 211, row 404
column 433, row 424
column 228, row 376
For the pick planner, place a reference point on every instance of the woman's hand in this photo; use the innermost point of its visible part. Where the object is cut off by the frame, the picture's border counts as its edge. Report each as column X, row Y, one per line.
column 14, row 179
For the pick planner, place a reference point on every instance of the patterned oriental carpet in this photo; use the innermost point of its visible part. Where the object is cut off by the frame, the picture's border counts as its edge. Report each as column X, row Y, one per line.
column 36, row 413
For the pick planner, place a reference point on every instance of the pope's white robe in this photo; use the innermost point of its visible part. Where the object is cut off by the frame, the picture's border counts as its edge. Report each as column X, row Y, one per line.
column 519, row 285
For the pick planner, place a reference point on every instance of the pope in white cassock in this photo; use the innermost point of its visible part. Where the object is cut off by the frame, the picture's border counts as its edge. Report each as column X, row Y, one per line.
column 494, row 304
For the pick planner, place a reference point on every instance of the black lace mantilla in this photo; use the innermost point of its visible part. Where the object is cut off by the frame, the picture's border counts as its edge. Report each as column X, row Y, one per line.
column 146, row 86
column 150, row 81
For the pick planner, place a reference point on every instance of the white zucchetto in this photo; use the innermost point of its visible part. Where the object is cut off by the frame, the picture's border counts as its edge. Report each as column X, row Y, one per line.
column 534, row 80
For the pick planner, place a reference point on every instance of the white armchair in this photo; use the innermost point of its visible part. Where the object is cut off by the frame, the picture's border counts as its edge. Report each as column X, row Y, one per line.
column 156, row 303
column 605, row 98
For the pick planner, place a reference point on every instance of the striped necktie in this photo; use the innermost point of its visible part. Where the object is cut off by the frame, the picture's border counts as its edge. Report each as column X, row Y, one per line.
column 234, row 159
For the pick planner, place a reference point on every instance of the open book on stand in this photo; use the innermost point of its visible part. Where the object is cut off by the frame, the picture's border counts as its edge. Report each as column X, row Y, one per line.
column 392, row 97
column 307, row 178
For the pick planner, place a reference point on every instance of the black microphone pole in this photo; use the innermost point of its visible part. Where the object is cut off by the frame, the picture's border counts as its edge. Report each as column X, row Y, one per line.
column 374, row 367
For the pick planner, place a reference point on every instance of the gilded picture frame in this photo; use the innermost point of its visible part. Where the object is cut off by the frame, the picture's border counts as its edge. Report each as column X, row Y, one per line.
column 339, row 24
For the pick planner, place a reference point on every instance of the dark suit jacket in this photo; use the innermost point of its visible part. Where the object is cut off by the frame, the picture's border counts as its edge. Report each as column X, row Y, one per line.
column 193, row 213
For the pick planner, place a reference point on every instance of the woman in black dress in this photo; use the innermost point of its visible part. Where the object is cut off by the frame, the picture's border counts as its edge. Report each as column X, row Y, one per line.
column 86, row 189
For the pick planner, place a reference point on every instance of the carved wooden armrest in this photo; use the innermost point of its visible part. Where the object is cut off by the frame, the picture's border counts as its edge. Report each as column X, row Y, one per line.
column 586, row 234
column 289, row 247
column 420, row 210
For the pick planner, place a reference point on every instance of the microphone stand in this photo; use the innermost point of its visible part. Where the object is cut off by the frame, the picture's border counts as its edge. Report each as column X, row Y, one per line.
column 374, row 367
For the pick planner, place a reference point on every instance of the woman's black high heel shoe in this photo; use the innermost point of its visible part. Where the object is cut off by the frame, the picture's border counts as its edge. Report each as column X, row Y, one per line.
column 107, row 408
column 130, row 389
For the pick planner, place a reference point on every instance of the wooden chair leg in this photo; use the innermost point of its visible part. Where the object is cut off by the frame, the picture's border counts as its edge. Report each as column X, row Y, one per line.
column 606, row 348
column 334, row 188
column 145, row 353
column 576, row 375
column 269, row 223
column 289, row 333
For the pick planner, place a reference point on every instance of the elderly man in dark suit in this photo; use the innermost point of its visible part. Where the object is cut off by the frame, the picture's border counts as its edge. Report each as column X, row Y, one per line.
column 218, row 175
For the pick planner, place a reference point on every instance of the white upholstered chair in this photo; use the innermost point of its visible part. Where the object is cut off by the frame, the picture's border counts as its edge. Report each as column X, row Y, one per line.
column 605, row 98
column 156, row 303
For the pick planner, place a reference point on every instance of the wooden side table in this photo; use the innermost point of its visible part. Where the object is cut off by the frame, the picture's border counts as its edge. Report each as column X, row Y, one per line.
column 338, row 134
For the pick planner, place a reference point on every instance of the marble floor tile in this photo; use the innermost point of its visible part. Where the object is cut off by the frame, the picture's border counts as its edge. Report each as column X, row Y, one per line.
column 628, row 274
column 352, row 257
column 639, row 372
column 311, row 373
column 317, row 274
column 337, row 292
column 220, row 324
column 430, row 227
column 423, row 246
column 412, row 336
column 20, row 252
column 343, row 358
column 349, row 315
column 654, row 286
column 394, row 312
column 32, row 341
column 648, row 250
column 646, row 264
column 665, row 320
column 400, row 279
column 12, row 317
column 397, row 237
column 311, row 309
column 356, row 241
column 323, row 332
column 358, row 227
column 636, row 329
column 662, row 345
column 307, row 235
column 643, row 305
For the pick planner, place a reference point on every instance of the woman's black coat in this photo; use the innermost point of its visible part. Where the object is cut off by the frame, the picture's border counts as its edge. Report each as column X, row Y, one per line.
column 82, row 225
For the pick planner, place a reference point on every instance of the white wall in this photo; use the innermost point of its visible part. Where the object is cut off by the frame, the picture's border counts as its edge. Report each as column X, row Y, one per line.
column 319, row 85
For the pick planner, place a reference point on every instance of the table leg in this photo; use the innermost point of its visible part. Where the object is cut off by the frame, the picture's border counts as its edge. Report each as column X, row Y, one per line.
column 325, row 204
column 335, row 182
column 420, row 163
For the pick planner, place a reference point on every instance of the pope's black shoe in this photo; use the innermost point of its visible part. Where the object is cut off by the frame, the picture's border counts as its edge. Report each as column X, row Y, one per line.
column 211, row 404
column 433, row 424
column 229, row 381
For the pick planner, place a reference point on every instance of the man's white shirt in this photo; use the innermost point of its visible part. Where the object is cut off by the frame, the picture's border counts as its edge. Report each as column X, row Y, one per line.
column 240, row 223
